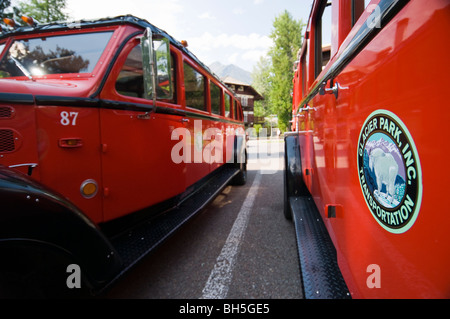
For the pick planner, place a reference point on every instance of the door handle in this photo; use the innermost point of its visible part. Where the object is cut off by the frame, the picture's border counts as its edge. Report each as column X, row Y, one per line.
column 307, row 108
column 144, row 116
column 184, row 120
column 334, row 90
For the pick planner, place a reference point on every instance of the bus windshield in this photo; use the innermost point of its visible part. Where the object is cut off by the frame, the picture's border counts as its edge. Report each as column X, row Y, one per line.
column 75, row 53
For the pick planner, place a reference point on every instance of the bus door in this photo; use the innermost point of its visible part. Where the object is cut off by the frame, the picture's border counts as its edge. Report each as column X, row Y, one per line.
column 138, row 165
column 304, row 121
column 322, row 112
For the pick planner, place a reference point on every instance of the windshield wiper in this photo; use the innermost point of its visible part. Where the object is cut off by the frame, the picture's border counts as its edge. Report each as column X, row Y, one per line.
column 22, row 68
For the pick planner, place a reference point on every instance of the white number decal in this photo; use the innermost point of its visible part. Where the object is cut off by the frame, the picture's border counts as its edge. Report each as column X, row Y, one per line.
column 69, row 118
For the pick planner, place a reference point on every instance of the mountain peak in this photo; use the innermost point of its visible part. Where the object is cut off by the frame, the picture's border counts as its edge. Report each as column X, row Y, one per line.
column 231, row 70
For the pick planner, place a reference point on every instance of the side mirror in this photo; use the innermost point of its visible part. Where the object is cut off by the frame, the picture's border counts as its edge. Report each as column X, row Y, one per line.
column 156, row 67
column 148, row 65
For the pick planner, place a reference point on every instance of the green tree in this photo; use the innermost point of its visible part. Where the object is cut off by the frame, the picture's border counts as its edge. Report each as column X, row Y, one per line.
column 261, row 83
column 44, row 10
column 287, row 39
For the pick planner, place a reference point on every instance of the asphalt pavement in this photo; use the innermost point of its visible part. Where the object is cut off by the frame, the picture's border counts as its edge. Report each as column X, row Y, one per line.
column 239, row 246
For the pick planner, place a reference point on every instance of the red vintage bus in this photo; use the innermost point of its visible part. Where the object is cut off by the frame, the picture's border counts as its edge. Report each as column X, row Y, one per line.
column 366, row 158
column 112, row 135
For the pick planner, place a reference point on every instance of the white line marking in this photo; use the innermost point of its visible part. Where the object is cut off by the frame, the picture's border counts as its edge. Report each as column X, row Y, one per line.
column 220, row 278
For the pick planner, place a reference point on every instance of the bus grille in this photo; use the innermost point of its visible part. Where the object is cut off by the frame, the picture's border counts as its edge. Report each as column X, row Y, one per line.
column 7, row 141
column 6, row 112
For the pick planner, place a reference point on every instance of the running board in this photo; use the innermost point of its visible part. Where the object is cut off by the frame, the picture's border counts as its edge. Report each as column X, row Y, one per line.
column 321, row 276
column 139, row 241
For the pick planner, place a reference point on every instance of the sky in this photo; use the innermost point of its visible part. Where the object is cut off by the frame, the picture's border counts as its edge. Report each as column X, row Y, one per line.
column 230, row 32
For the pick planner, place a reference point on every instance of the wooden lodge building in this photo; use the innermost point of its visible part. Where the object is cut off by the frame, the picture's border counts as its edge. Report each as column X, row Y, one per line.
column 247, row 94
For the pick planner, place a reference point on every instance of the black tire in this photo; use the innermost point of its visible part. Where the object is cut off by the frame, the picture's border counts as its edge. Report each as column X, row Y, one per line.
column 287, row 207
column 294, row 184
column 241, row 177
column 33, row 271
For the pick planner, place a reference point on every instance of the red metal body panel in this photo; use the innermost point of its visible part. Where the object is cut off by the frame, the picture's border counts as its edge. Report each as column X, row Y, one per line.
column 64, row 168
column 397, row 74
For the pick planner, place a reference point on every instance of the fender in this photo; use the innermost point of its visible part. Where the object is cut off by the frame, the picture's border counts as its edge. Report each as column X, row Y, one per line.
column 294, row 184
column 32, row 213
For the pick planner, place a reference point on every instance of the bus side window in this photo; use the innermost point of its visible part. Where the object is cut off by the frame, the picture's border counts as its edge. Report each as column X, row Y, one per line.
column 194, row 83
column 235, row 110
column 166, row 86
column 130, row 81
column 227, row 105
column 358, row 7
column 323, row 37
column 303, row 73
column 216, row 100
column 174, row 65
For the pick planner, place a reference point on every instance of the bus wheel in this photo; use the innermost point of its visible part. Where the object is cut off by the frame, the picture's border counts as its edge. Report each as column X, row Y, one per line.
column 241, row 177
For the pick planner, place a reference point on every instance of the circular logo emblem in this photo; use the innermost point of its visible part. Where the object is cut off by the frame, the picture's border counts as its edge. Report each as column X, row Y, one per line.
column 389, row 171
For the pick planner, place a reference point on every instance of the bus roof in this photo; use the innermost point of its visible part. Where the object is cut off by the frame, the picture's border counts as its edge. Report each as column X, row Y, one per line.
column 124, row 19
